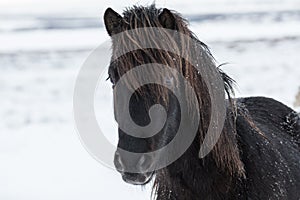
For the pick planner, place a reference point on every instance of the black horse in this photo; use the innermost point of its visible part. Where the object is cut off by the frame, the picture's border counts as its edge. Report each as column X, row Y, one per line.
column 258, row 153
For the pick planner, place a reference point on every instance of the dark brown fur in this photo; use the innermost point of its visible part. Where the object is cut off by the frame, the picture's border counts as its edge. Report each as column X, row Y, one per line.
column 138, row 17
column 226, row 173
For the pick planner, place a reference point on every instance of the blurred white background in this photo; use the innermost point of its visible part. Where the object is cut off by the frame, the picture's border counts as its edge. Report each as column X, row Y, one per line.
column 45, row 42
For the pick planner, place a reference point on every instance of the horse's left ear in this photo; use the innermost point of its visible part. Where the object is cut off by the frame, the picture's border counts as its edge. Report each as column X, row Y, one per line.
column 167, row 19
column 112, row 21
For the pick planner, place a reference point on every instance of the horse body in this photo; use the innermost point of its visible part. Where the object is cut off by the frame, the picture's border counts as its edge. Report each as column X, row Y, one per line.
column 270, row 152
column 258, row 153
column 269, row 147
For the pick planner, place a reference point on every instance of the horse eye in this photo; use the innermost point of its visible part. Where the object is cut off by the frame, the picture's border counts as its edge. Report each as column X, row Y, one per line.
column 112, row 82
column 112, row 73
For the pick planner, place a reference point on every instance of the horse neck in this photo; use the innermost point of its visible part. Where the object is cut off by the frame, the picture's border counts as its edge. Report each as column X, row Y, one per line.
column 192, row 178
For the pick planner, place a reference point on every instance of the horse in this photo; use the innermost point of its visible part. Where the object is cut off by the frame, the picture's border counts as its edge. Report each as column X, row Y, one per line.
column 257, row 155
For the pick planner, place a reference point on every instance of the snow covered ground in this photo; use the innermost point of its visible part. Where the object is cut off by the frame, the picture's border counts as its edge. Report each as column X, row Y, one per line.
column 43, row 46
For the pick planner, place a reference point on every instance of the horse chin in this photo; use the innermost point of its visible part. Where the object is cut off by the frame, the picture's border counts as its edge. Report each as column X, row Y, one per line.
column 137, row 179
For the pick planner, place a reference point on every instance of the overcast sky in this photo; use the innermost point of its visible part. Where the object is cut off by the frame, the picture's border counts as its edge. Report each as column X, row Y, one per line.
column 96, row 7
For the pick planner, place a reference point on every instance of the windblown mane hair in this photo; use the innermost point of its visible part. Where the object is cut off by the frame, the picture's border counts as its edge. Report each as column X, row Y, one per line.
column 225, row 154
column 138, row 17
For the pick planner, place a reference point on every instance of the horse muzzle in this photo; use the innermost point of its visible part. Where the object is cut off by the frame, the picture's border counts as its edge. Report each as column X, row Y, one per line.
column 136, row 178
column 135, row 171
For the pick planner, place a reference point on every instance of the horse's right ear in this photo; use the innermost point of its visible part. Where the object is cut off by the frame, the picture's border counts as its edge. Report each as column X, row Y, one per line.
column 112, row 21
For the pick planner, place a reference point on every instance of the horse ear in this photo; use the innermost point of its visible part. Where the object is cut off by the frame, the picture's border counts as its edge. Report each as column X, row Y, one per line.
column 112, row 21
column 167, row 19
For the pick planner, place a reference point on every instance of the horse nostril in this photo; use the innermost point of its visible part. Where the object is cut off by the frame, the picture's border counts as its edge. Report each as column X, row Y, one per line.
column 142, row 164
column 145, row 163
column 118, row 162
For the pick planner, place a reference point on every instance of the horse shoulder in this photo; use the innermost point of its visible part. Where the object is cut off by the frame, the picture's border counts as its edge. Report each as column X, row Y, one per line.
column 269, row 149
